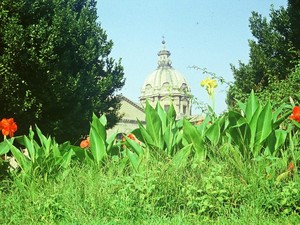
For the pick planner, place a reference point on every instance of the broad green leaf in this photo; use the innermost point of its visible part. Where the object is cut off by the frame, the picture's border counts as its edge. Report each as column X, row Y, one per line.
column 264, row 124
column 56, row 150
column 171, row 114
column 240, row 136
column 30, row 148
column 213, row 132
column 253, row 126
column 66, row 159
column 102, row 120
column 99, row 126
column 4, row 148
column 31, row 133
column 235, row 118
column 181, row 157
column 280, row 138
column 191, row 134
column 277, row 121
column 170, row 138
column 202, row 127
column 162, row 115
column 135, row 146
column 79, row 152
column 241, row 105
column 97, row 144
column 110, row 141
column 296, row 123
column 45, row 142
column 251, row 106
column 153, row 126
column 134, row 159
column 24, row 163
column 89, row 158
column 147, row 139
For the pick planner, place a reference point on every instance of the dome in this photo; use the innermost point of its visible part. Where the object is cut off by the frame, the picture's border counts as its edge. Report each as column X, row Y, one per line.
column 167, row 86
column 165, row 80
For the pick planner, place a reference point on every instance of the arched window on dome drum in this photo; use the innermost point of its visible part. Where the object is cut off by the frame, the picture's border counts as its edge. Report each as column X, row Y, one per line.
column 184, row 87
column 166, row 87
column 148, row 88
column 184, row 109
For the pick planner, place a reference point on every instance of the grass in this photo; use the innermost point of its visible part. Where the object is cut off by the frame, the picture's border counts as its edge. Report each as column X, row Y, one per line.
column 215, row 192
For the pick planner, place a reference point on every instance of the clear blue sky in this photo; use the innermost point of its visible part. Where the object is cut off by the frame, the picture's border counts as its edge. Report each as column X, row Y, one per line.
column 210, row 34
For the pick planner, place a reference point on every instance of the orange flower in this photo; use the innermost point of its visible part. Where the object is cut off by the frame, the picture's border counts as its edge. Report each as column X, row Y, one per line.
column 295, row 114
column 8, row 127
column 131, row 136
column 291, row 166
column 85, row 143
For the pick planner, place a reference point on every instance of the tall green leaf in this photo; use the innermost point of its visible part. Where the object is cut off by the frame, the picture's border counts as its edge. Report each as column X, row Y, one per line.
column 213, row 133
column 264, row 123
column 99, row 124
column 253, row 126
column 4, row 148
column 134, row 159
column 171, row 114
column 163, row 117
column 251, row 106
column 181, row 157
column 147, row 139
column 154, row 126
column 192, row 136
column 21, row 159
column 97, row 145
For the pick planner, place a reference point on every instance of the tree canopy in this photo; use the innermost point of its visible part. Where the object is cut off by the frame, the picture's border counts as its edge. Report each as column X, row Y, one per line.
column 274, row 55
column 55, row 66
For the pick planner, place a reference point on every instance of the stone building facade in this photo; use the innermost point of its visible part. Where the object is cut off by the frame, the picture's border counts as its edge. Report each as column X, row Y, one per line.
column 166, row 85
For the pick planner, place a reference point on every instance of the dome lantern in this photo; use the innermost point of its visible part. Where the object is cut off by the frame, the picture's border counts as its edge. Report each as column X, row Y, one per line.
column 164, row 55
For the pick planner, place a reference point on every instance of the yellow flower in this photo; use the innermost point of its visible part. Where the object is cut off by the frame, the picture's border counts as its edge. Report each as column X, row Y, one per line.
column 209, row 84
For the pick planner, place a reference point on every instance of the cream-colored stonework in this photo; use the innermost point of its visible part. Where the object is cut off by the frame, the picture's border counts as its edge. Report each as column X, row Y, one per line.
column 131, row 113
column 166, row 86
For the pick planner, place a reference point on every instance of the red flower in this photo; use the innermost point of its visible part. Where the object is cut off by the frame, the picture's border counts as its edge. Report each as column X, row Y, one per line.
column 295, row 114
column 85, row 143
column 131, row 136
column 8, row 127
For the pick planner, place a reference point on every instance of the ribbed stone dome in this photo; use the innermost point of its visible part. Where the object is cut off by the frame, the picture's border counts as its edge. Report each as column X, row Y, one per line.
column 165, row 80
column 167, row 86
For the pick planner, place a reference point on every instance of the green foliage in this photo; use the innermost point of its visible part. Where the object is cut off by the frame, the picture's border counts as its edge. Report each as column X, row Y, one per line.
column 281, row 91
column 136, row 154
column 192, row 136
column 57, row 70
column 274, row 53
column 161, row 132
column 294, row 13
column 212, row 194
column 256, row 129
column 237, row 164
column 44, row 157
column 100, row 145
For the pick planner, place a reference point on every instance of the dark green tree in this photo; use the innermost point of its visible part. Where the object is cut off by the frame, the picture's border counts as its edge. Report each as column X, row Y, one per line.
column 55, row 68
column 274, row 53
column 293, row 10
